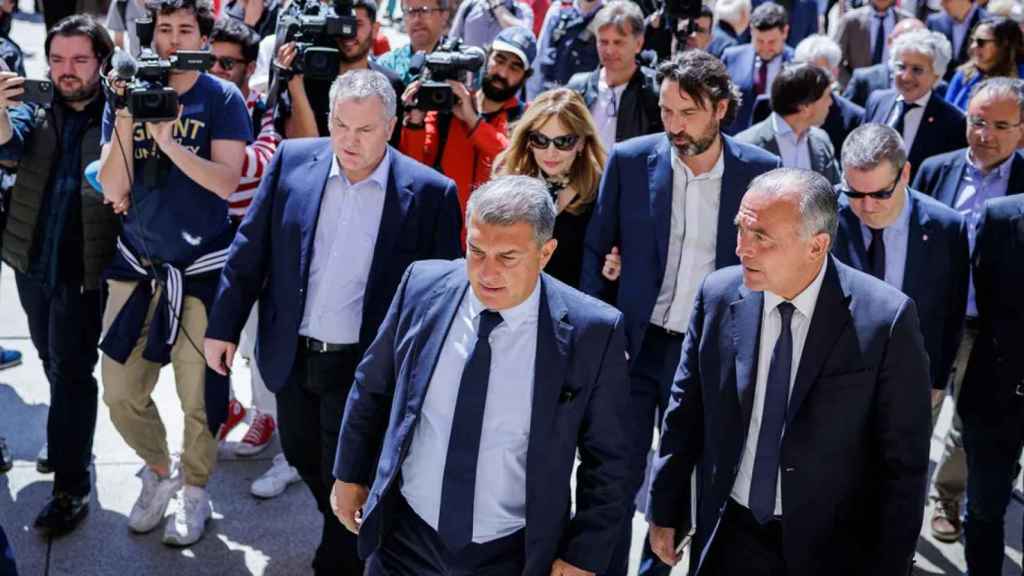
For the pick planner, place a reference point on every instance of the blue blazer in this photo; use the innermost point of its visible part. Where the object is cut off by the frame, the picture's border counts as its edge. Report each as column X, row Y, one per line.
column 634, row 212
column 854, row 458
column 270, row 256
column 935, row 277
column 943, row 23
column 996, row 364
column 943, row 127
column 722, row 36
column 940, row 177
column 580, row 386
column 803, row 19
column 740, row 61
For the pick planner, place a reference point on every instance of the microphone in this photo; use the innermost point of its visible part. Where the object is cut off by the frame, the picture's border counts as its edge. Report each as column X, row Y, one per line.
column 123, row 64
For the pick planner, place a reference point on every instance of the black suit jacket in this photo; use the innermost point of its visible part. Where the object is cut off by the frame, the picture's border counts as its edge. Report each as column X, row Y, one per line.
column 943, row 23
column 854, row 457
column 935, row 275
column 940, row 176
column 943, row 127
column 843, row 117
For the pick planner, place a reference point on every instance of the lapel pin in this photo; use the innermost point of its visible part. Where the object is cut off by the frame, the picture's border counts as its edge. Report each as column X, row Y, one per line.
column 931, row 119
column 924, row 237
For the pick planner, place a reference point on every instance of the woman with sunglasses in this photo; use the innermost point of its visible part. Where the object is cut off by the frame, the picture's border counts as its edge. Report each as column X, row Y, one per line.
column 556, row 140
column 997, row 46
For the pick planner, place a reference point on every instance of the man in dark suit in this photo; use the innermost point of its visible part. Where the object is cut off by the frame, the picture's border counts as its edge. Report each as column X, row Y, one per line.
column 794, row 340
column 990, row 167
column 753, row 66
column 906, row 238
column 323, row 247
column 868, row 79
column 861, row 35
column 927, row 123
column 803, row 19
column 993, row 414
column 732, row 18
column 955, row 22
column 673, row 232
column 843, row 115
column 457, row 437
column 801, row 99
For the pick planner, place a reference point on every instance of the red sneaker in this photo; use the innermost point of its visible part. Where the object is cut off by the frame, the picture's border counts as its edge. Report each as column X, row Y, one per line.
column 258, row 437
column 236, row 413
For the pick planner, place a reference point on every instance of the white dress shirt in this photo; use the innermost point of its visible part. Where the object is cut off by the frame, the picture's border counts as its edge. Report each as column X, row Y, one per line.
column 499, row 504
column 771, row 327
column 912, row 121
column 795, row 151
column 346, row 234
column 606, row 109
column 693, row 237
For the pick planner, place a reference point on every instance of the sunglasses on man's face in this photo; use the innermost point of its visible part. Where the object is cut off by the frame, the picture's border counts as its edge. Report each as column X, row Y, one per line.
column 563, row 143
column 844, row 188
column 225, row 62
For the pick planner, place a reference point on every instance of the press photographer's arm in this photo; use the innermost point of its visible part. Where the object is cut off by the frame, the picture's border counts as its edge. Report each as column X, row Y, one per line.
column 116, row 170
column 219, row 174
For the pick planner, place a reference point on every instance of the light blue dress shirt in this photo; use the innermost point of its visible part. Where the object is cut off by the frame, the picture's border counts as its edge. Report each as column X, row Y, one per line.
column 975, row 189
column 346, row 233
column 895, row 236
column 795, row 151
column 960, row 30
column 499, row 504
column 888, row 23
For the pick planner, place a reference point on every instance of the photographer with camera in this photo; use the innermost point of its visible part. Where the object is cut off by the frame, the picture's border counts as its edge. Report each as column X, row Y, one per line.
column 425, row 23
column 184, row 132
column 310, row 61
column 478, row 22
column 463, row 131
column 59, row 238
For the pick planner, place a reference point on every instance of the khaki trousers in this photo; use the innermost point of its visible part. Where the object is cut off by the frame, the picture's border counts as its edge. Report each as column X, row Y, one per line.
column 950, row 481
column 128, row 389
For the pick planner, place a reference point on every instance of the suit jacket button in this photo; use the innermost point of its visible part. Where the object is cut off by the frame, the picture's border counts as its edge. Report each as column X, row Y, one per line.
column 790, row 469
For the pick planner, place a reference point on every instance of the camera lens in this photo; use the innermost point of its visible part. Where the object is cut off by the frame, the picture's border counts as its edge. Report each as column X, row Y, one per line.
column 437, row 97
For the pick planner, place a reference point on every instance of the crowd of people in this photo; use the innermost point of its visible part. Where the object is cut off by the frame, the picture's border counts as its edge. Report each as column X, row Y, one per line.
column 475, row 276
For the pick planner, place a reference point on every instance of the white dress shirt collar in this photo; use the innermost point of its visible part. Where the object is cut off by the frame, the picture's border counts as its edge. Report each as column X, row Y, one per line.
column 716, row 171
column 515, row 316
column 804, row 301
column 921, row 102
column 379, row 175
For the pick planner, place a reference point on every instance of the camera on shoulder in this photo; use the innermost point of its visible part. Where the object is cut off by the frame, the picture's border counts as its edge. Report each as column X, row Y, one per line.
column 451, row 61
column 315, row 27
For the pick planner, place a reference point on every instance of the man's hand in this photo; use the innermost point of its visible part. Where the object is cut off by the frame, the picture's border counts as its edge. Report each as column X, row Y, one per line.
column 413, row 116
column 10, row 88
column 563, row 568
column 163, row 132
column 612, row 265
column 121, row 206
column 464, row 109
column 285, row 56
column 663, row 544
column 219, row 354
column 347, row 501
column 253, row 12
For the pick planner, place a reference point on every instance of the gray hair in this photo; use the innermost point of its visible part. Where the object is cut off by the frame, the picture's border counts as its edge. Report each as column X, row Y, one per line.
column 932, row 45
column 732, row 11
column 871, row 144
column 362, row 84
column 819, row 206
column 620, row 14
column 816, row 47
column 1001, row 87
column 508, row 200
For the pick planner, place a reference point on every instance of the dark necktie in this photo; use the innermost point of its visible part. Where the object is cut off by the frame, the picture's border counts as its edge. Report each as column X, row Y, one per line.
column 901, row 117
column 876, row 254
column 773, row 419
column 761, row 81
column 876, row 56
column 455, row 521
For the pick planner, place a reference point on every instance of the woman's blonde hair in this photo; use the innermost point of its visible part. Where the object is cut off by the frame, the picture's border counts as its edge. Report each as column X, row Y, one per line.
column 572, row 112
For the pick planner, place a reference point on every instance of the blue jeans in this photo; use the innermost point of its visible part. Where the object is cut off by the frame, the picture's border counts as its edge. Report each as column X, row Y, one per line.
column 992, row 453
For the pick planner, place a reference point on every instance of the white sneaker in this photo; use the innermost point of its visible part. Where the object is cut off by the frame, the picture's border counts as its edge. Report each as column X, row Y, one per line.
column 192, row 513
column 276, row 479
column 151, row 505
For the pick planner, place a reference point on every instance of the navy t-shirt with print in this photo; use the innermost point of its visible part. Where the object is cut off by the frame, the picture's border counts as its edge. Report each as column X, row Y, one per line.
column 178, row 219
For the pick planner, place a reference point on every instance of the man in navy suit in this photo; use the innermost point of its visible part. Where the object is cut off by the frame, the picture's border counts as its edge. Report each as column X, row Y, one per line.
column 323, row 247
column 803, row 19
column 732, row 18
column 793, row 340
column 927, row 123
column 667, row 201
column 993, row 414
column 753, row 66
column 955, row 22
column 468, row 410
column 906, row 238
column 990, row 167
column 868, row 79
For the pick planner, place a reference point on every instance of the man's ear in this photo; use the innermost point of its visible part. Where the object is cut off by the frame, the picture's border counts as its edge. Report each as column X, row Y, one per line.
column 820, row 245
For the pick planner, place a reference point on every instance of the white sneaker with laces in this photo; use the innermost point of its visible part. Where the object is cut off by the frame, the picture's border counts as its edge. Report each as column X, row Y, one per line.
column 191, row 514
column 151, row 504
column 275, row 480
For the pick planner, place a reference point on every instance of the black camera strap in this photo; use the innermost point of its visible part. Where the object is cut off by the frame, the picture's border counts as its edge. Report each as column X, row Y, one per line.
column 444, row 125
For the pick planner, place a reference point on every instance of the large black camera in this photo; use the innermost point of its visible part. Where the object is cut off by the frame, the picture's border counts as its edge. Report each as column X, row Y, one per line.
column 315, row 28
column 451, row 61
column 147, row 94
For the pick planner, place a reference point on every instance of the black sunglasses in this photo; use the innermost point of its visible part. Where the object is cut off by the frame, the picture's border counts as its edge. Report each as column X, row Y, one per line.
column 563, row 143
column 226, row 62
column 879, row 195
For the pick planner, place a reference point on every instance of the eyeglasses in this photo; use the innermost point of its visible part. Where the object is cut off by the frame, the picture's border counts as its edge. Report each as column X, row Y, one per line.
column 225, row 62
column 421, row 12
column 879, row 195
column 915, row 71
column 982, row 41
column 564, row 143
column 977, row 123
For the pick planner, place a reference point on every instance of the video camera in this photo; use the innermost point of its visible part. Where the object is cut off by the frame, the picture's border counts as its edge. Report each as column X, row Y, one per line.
column 451, row 61
column 315, row 28
column 147, row 94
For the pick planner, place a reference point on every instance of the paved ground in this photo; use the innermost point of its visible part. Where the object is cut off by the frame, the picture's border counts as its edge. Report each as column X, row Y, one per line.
column 247, row 536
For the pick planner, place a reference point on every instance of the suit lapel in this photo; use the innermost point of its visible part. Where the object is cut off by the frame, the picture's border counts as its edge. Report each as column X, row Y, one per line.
column 831, row 315
column 746, row 337
column 445, row 301
column 735, row 178
column 915, row 269
column 1016, row 183
column 659, row 175
column 855, row 238
column 590, row 94
column 313, row 181
column 951, row 183
column 397, row 200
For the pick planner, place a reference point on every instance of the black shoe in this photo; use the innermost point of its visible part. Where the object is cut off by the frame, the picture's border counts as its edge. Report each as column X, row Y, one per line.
column 43, row 460
column 62, row 513
column 5, row 457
